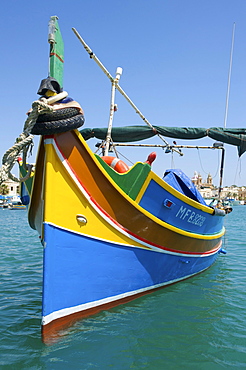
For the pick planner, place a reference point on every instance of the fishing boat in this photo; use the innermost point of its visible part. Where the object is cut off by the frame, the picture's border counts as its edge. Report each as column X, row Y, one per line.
column 16, row 207
column 110, row 233
column 232, row 202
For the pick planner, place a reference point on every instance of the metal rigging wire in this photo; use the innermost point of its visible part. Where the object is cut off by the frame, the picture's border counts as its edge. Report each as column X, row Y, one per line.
column 207, row 173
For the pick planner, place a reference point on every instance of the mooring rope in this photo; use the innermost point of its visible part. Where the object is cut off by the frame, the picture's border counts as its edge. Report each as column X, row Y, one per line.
column 23, row 143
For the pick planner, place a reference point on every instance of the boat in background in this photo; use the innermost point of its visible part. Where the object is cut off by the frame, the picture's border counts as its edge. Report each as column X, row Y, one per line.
column 232, row 202
column 11, row 202
column 110, row 233
column 16, row 206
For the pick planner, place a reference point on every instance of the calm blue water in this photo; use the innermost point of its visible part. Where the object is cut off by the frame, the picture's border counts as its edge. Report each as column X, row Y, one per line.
column 196, row 324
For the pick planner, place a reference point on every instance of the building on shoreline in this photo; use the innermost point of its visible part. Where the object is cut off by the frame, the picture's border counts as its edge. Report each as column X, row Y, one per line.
column 9, row 192
column 208, row 190
column 13, row 187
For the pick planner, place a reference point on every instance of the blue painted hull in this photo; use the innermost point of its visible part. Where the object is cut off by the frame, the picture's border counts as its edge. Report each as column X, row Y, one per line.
column 82, row 272
column 101, row 247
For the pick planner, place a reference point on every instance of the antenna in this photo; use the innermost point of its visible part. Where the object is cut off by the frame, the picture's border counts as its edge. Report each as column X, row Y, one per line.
column 229, row 76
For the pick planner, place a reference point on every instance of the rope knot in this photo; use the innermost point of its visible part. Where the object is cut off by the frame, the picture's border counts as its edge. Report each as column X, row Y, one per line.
column 23, row 142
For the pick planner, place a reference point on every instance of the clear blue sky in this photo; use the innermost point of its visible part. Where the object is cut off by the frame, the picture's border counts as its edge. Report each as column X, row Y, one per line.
column 175, row 58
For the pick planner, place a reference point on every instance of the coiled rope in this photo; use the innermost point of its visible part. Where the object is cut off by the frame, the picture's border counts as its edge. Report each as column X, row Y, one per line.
column 23, row 143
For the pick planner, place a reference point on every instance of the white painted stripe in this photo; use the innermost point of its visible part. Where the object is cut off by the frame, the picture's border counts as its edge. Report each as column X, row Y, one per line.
column 48, row 141
column 153, row 249
column 72, row 310
column 107, row 219
column 182, row 232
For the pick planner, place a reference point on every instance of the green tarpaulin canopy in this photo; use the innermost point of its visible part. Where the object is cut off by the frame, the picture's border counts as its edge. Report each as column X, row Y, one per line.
column 236, row 136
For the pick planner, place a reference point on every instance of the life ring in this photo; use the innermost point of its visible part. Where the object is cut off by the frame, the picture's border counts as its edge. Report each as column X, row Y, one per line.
column 116, row 163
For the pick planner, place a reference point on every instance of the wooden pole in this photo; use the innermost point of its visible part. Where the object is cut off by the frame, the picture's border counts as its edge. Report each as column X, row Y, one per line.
column 112, row 109
column 93, row 56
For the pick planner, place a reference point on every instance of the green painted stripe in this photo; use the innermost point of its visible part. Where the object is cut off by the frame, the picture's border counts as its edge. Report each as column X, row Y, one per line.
column 56, row 60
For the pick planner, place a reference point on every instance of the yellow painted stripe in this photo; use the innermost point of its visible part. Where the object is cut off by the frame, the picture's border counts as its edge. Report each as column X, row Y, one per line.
column 174, row 192
column 64, row 201
column 148, row 214
column 167, row 187
column 144, row 187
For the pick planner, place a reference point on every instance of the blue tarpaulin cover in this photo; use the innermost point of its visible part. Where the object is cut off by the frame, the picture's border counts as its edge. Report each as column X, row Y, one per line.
column 179, row 181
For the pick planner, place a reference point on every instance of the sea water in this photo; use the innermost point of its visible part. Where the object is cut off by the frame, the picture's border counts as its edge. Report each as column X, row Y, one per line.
column 196, row 324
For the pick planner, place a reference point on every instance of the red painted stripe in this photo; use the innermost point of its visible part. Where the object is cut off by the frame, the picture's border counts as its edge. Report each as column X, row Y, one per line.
column 148, row 241
column 56, row 55
column 72, row 170
column 122, row 227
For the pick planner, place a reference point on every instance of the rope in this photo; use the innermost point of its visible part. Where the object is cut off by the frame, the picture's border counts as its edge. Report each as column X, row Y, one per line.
column 23, row 143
